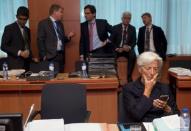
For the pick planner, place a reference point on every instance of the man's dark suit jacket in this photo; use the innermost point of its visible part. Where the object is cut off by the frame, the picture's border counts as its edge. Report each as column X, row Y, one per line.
column 47, row 39
column 12, row 42
column 116, row 38
column 103, row 28
column 160, row 42
column 140, row 108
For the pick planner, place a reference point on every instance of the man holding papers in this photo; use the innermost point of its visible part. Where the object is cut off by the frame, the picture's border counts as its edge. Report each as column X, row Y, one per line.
column 146, row 98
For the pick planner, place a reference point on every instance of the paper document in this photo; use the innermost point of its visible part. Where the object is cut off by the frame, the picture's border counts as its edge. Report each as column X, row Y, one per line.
column 167, row 123
column 180, row 71
column 148, row 126
column 46, row 125
column 30, row 112
column 83, row 127
column 172, row 121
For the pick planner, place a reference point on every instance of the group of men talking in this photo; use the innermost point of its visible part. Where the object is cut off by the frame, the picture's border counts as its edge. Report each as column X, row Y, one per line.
column 141, row 97
column 97, row 36
column 122, row 39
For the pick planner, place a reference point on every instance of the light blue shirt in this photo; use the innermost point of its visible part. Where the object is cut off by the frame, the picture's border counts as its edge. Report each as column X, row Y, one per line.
column 59, row 42
column 97, row 43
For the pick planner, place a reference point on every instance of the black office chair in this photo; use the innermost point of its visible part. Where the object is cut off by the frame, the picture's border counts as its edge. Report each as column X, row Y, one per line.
column 180, row 63
column 78, row 65
column 42, row 66
column 122, row 115
column 67, row 101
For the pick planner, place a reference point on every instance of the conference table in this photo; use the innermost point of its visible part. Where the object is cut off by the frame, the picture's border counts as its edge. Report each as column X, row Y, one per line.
column 17, row 95
column 91, row 127
column 181, row 86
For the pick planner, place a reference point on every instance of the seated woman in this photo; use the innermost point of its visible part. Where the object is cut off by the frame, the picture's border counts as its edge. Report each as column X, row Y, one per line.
column 142, row 100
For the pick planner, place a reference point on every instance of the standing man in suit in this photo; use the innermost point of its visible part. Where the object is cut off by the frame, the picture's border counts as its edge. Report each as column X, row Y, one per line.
column 151, row 37
column 16, row 41
column 124, row 38
column 51, row 37
column 94, row 34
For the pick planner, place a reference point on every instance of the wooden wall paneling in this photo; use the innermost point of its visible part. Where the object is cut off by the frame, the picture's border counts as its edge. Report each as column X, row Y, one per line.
column 122, row 70
column 102, row 106
column 183, row 98
column 72, row 48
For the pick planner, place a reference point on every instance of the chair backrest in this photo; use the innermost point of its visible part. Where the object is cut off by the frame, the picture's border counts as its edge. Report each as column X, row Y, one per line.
column 122, row 115
column 180, row 63
column 42, row 66
column 78, row 65
column 67, row 101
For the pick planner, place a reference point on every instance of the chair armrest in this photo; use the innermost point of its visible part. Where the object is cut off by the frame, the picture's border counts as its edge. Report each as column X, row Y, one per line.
column 33, row 115
column 88, row 113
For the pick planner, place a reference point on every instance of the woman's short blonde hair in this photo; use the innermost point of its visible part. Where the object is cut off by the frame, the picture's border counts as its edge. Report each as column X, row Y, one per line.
column 148, row 57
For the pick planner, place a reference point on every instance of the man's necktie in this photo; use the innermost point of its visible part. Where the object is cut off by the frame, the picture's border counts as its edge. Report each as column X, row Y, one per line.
column 147, row 40
column 91, row 36
column 124, row 36
column 26, row 39
column 58, row 30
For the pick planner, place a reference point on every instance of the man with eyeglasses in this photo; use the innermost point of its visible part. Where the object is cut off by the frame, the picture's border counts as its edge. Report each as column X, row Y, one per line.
column 16, row 41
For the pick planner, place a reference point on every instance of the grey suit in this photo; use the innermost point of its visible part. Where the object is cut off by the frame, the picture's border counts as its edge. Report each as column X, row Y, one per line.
column 47, row 41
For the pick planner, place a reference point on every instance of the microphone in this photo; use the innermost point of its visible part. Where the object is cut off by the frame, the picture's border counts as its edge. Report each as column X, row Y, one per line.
column 30, row 112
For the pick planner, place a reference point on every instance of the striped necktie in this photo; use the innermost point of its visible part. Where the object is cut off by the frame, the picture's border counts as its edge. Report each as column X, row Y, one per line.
column 147, row 39
column 91, row 36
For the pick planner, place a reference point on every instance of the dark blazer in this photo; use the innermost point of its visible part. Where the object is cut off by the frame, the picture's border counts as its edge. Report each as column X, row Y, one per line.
column 103, row 28
column 12, row 42
column 160, row 42
column 140, row 108
column 47, row 39
column 116, row 38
